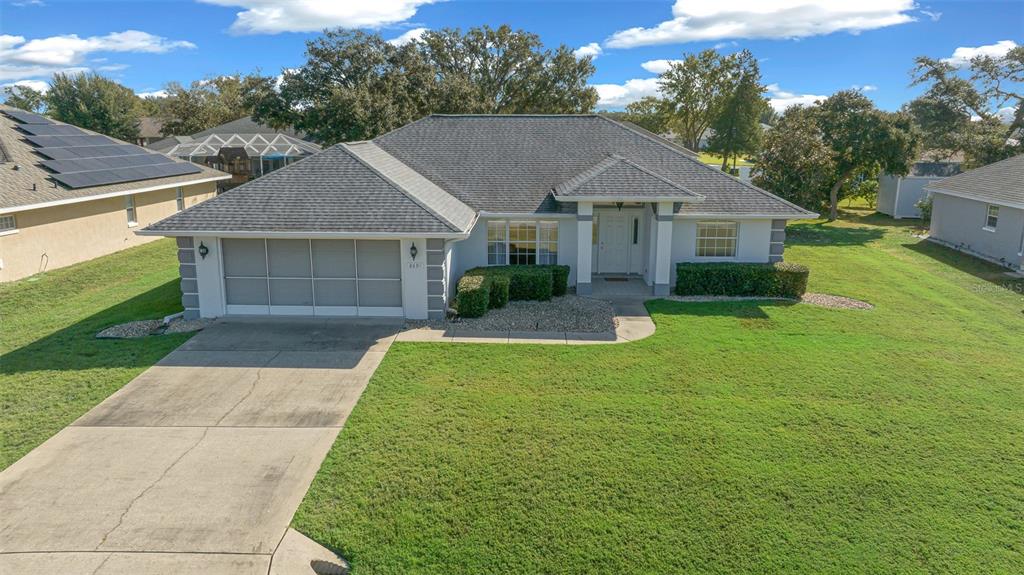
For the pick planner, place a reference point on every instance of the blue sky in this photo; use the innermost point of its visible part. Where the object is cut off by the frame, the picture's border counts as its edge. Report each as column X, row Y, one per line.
column 807, row 48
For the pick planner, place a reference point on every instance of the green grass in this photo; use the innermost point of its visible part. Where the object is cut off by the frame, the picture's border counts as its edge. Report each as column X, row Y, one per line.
column 52, row 369
column 740, row 438
column 716, row 160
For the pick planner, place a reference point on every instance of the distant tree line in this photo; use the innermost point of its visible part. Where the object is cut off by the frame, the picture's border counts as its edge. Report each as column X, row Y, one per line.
column 356, row 85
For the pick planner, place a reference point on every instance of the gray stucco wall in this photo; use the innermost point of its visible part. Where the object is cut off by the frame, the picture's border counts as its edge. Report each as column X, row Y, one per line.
column 959, row 223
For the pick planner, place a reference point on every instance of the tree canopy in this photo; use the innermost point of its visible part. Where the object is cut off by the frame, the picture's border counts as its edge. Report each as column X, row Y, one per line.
column 355, row 85
column 95, row 103
column 737, row 128
column 205, row 103
column 696, row 90
column 25, row 98
column 847, row 136
column 961, row 108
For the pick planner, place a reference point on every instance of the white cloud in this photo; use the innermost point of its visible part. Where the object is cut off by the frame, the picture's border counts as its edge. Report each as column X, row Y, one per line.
column 70, row 49
column 962, row 56
column 934, row 16
column 407, row 37
column 618, row 95
column 112, row 67
column 1006, row 115
column 43, row 57
column 780, row 99
column 721, row 45
column 864, row 88
column 707, row 20
column 37, row 85
column 593, row 50
column 25, row 3
column 153, row 94
column 658, row 66
column 274, row 17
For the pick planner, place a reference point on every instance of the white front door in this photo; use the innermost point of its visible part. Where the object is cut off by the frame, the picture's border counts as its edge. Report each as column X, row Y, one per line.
column 613, row 243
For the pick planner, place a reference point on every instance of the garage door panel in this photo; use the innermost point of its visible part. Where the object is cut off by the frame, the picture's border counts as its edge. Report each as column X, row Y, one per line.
column 244, row 257
column 313, row 277
column 246, row 291
column 380, row 293
column 335, row 292
column 288, row 258
column 291, row 292
column 334, row 259
column 378, row 259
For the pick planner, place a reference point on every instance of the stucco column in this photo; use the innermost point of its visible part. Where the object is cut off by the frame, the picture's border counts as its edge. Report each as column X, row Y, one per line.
column 208, row 275
column 663, row 249
column 584, row 232
column 416, row 290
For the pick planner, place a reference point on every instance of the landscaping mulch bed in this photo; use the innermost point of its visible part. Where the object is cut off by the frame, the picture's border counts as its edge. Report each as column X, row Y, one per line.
column 147, row 327
column 565, row 313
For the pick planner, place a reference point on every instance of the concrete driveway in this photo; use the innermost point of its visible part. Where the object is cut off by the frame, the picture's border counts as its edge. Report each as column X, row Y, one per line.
column 198, row 464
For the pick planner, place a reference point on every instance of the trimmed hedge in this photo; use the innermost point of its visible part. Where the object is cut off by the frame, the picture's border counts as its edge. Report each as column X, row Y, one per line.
column 781, row 279
column 504, row 283
column 474, row 295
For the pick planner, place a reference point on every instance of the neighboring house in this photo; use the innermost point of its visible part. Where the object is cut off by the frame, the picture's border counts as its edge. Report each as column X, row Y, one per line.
column 981, row 212
column 387, row 227
column 898, row 196
column 150, row 130
column 69, row 195
column 243, row 148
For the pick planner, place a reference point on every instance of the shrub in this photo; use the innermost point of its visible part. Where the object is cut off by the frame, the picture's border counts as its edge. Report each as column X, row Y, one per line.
column 473, row 296
column 781, row 279
column 925, row 205
column 525, row 282
column 499, row 291
column 559, row 279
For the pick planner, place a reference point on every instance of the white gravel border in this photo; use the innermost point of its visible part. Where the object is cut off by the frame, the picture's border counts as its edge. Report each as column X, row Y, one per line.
column 146, row 327
column 568, row 313
column 816, row 299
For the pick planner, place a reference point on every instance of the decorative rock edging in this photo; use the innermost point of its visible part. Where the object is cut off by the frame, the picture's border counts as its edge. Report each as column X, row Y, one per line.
column 147, row 327
column 815, row 299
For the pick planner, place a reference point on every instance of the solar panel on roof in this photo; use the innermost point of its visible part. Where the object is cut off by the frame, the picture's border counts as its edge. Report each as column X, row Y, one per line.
column 117, row 176
column 69, row 141
column 52, row 130
column 104, row 163
column 24, row 117
column 89, row 151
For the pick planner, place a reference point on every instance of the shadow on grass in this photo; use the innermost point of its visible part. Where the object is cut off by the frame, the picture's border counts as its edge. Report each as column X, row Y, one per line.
column 968, row 264
column 740, row 309
column 75, row 347
column 823, row 234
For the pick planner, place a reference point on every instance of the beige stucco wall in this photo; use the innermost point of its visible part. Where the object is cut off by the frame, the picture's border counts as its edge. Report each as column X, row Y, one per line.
column 51, row 238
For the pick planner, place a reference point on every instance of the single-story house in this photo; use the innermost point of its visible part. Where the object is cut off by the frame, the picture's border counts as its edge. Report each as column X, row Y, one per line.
column 898, row 196
column 981, row 212
column 151, row 129
column 386, row 227
column 68, row 195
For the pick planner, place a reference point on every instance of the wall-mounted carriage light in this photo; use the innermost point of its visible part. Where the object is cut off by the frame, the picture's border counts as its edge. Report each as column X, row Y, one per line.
column 618, row 205
column 413, row 251
column 203, row 250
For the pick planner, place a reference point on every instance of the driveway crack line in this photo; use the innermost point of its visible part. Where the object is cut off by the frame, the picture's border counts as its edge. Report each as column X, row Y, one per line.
column 255, row 382
column 151, row 486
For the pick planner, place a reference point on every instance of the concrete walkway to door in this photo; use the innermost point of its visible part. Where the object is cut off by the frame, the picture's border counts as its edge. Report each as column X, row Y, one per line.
column 198, row 464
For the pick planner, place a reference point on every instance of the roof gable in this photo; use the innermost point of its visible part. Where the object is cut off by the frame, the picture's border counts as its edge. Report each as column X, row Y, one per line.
column 616, row 176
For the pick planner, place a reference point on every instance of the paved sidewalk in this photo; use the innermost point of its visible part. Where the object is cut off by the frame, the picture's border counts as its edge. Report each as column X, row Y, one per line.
column 198, row 464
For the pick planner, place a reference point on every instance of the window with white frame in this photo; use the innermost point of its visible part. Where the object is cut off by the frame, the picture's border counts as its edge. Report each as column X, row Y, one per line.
column 522, row 243
column 992, row 217
column 129, row 208
column 716, row 239
column 8, row 224
column 180, row 198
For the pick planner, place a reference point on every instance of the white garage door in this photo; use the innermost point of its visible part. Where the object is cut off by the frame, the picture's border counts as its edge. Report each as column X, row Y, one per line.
column 312, row 277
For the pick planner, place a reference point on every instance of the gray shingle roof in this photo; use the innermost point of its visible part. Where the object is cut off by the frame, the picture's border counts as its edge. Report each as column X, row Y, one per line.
column 330, row 192
column 511, row 163
column 616, row 176
column 998, row 183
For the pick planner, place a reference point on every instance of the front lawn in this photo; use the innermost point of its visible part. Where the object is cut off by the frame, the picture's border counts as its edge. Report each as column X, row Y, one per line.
column 740, row 438
column 52, row 369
